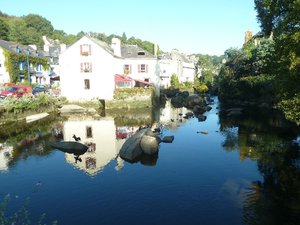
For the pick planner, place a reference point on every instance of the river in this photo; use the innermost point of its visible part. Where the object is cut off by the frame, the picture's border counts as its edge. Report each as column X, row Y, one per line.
column 239, row 170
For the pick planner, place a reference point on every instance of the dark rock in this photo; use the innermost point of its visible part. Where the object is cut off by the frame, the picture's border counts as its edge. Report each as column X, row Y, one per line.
column 156, row 130
column 168, row 139
column 201, row 118
column 197, row 109
column 193, row 100
column 189, row 115
column 208, row 108
column 177, row 101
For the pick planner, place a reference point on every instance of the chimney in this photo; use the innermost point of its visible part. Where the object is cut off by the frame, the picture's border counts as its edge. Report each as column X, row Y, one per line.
column 46, row 48
column 116, row 46
column 155, row 49
column 63, row 47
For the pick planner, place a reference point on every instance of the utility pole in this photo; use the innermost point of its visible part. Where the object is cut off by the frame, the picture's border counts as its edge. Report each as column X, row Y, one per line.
column 28, row 66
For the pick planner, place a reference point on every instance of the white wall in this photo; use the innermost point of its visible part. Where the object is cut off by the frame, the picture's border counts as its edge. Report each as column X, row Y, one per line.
column 151, row 74
column 4, row 75
column 101, row 78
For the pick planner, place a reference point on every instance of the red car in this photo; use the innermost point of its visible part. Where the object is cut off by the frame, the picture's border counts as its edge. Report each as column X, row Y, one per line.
column 16, row 90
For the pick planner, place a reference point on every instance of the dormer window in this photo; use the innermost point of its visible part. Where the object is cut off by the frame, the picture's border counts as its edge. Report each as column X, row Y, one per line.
column 18, row 50
column 141, row 53
column 85, row 49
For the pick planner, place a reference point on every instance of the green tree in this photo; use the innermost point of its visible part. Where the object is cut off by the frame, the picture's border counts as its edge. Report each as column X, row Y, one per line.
column 4, row 30
column 40, row 24
column 124, row 38
column 174, row 81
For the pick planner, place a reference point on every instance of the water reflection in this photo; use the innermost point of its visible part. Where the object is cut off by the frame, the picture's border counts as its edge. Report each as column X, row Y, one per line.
column 270, row 140
column 101, row 136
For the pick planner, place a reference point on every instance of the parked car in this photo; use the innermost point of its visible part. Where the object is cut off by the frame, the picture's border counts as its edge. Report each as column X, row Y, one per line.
column 16, row 90
column 40, row 89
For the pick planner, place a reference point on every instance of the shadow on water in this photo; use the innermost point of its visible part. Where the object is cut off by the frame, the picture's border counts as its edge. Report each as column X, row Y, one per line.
column 270, row 140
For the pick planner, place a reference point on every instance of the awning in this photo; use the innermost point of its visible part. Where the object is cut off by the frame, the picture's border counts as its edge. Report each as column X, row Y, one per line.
column 122, row 78
column 142, row 81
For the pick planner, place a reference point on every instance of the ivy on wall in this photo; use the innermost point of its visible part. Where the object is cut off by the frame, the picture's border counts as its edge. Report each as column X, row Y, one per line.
column 12, row 64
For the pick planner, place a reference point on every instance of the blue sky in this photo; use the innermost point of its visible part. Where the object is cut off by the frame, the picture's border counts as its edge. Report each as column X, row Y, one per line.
column 191, row 26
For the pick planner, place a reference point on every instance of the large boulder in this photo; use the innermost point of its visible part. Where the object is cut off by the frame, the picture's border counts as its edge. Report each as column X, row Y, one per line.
column 149, row 144
column 178, row 101
column 193, row 100
column 131, row 149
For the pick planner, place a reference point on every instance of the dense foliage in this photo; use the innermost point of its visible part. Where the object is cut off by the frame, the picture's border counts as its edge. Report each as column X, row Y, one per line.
column 39, row 103
column 31, row 28
column 267, row 68
column 12, row 61
column 148, row 46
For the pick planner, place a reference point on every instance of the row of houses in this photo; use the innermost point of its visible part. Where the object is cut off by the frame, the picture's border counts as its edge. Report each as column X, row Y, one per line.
column 91, row 68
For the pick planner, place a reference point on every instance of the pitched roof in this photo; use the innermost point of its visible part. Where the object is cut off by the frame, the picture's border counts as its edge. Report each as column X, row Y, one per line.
column 103, row 45
column 21, row 49
column 134, row 51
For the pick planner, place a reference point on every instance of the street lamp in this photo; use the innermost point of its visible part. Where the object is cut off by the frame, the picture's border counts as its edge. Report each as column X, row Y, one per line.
column 28, row 66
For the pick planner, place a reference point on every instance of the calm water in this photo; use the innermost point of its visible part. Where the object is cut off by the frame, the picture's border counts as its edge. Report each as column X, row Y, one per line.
column 246, row 170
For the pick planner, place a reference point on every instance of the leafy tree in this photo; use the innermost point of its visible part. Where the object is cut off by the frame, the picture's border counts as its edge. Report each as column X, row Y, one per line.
column 39, row 24
column 4, row 30
column 124, row 37
column 174, row 81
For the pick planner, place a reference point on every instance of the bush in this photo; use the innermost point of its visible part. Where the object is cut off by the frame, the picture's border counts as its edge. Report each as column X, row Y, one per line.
column 15, row 105
column 175, row 81
column 123, row 93
column 291, row 108
column 202, row 88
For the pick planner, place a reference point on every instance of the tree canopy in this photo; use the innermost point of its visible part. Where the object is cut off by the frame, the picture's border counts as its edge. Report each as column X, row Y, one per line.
column 269, row 64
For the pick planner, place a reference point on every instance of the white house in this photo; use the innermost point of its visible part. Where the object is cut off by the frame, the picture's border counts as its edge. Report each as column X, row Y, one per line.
column 38, row 74
column 88, row 68
column 4, row 75
column 137, row 63
column 178, row 64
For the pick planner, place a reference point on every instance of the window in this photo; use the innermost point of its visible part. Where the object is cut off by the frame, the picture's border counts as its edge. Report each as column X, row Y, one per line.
column 89, row 132
column 143, row 68
column 21, row 65
column 85, row 49
column 86, row 84
column 127, row 69
column 90, row 163
column 38, row 67
column 92, row 147
column 86, row 67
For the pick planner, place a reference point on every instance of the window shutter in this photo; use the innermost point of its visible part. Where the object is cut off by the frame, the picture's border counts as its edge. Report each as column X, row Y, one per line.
column 81, row 67
column 146, row 68
column 139, row 68
column 129, row 69
column 91, row 68
column 80, row 49
column 90, row 49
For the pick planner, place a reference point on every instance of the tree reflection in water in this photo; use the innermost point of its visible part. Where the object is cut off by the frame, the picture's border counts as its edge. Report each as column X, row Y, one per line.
column 269, row 140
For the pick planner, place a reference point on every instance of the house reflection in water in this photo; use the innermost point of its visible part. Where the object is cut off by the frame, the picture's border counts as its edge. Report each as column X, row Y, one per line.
column 5, row 156
column 171, row 117
column 101, row 137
